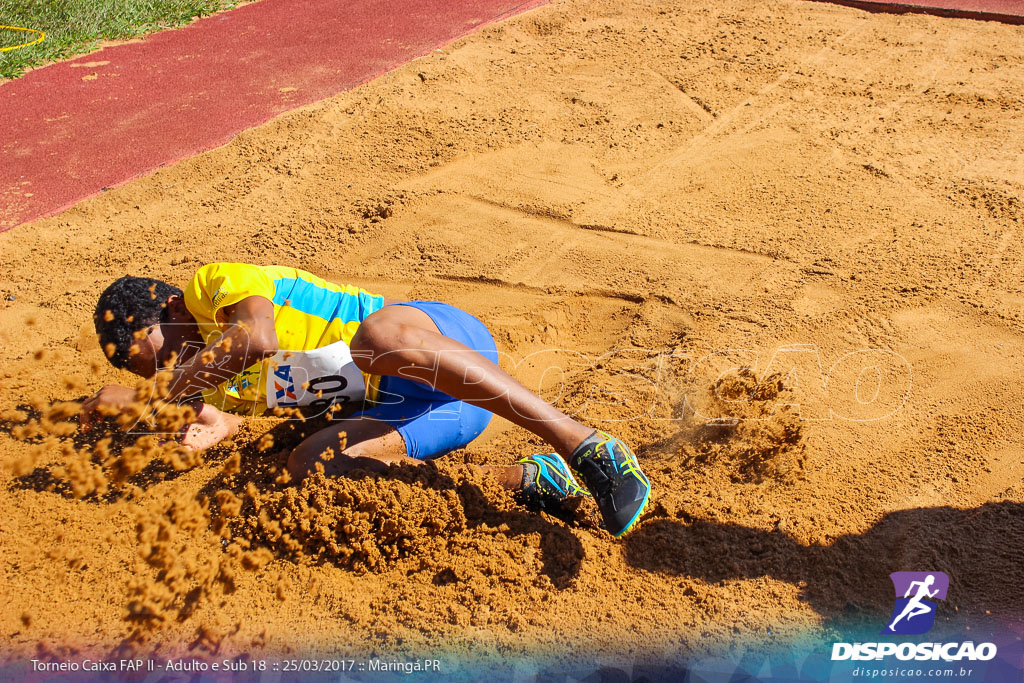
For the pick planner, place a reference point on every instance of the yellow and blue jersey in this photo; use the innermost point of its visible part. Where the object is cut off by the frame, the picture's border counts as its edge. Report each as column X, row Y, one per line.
column 310, row 313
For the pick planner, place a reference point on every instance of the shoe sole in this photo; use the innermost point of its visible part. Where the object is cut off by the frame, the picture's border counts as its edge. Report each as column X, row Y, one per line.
column 633, row 521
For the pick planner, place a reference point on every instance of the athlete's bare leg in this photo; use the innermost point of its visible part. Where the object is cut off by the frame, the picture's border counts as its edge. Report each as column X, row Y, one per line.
column 403, row 341
column 909, row 612
column 360, row 443
column 367, row 444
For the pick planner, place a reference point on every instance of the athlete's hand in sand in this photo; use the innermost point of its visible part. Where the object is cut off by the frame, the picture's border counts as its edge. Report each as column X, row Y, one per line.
column 109, row 397
column 210, row 428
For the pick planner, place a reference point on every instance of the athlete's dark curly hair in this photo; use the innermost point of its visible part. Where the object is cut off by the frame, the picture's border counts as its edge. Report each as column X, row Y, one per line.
column 126, row 306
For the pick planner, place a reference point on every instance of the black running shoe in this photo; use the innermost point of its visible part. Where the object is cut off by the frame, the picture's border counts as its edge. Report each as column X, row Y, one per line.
column 553, row 476
column 612, row 475
column 547, row 484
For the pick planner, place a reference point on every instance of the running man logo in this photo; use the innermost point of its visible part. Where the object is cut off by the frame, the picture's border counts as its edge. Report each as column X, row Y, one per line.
column 914, row 611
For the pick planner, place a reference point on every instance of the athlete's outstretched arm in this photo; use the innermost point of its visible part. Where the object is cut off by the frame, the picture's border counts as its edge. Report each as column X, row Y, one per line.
column 210, row 427
column 248, row 337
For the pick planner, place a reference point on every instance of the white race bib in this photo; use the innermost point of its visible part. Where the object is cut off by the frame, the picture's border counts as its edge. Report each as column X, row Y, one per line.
column 314, row 378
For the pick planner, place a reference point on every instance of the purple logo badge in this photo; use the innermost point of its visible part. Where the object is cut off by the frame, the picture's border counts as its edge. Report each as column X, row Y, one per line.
column 914, row 611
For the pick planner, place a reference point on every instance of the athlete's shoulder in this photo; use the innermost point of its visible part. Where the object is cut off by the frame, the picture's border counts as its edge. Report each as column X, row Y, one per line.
column 216, row 285
column 228, row 266
column 290, row 276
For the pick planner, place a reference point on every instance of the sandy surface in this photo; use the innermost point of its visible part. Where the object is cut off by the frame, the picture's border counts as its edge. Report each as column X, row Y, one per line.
column 621, row 190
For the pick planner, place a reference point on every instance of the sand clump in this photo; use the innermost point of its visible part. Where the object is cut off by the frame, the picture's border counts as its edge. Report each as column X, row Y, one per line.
column 445, row 520
column 450, row 524
column 91, row 465
column 175, row 538
column 370, row 522
column 747, row 426
column 193, row 562
column 365, row 521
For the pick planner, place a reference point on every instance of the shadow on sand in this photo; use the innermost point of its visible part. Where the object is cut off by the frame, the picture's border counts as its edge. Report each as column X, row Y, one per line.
column 847, row 582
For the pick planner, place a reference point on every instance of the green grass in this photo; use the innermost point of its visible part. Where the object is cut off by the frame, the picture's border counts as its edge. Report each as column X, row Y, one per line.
column 76, row 26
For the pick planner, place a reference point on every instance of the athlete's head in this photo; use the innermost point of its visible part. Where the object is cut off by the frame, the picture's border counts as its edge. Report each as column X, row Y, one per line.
column 929, row 580
column 138, row 321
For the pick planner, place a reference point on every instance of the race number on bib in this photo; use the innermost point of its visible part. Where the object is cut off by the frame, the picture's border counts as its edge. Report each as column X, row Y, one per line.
column 314, row 378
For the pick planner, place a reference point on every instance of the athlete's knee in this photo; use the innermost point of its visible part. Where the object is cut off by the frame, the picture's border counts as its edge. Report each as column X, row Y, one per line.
column 383, row 345
column 303, row 461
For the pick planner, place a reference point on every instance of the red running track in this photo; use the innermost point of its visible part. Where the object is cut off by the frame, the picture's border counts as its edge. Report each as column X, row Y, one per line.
column 70, row 130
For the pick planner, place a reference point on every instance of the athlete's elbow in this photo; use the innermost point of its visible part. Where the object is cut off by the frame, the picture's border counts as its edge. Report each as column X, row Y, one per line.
column 261, row 344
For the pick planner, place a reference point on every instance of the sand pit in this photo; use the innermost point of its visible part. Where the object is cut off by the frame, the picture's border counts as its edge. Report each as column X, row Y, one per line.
column 651, row 197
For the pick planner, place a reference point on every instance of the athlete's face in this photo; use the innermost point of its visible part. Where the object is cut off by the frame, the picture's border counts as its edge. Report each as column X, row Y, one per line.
column 176, row 337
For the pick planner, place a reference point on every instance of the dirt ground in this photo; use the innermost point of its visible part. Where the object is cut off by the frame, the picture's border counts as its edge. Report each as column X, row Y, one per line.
column 644, row 195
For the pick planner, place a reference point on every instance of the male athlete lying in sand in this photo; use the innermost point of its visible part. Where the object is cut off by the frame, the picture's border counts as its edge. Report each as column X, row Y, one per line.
column 423, row 375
